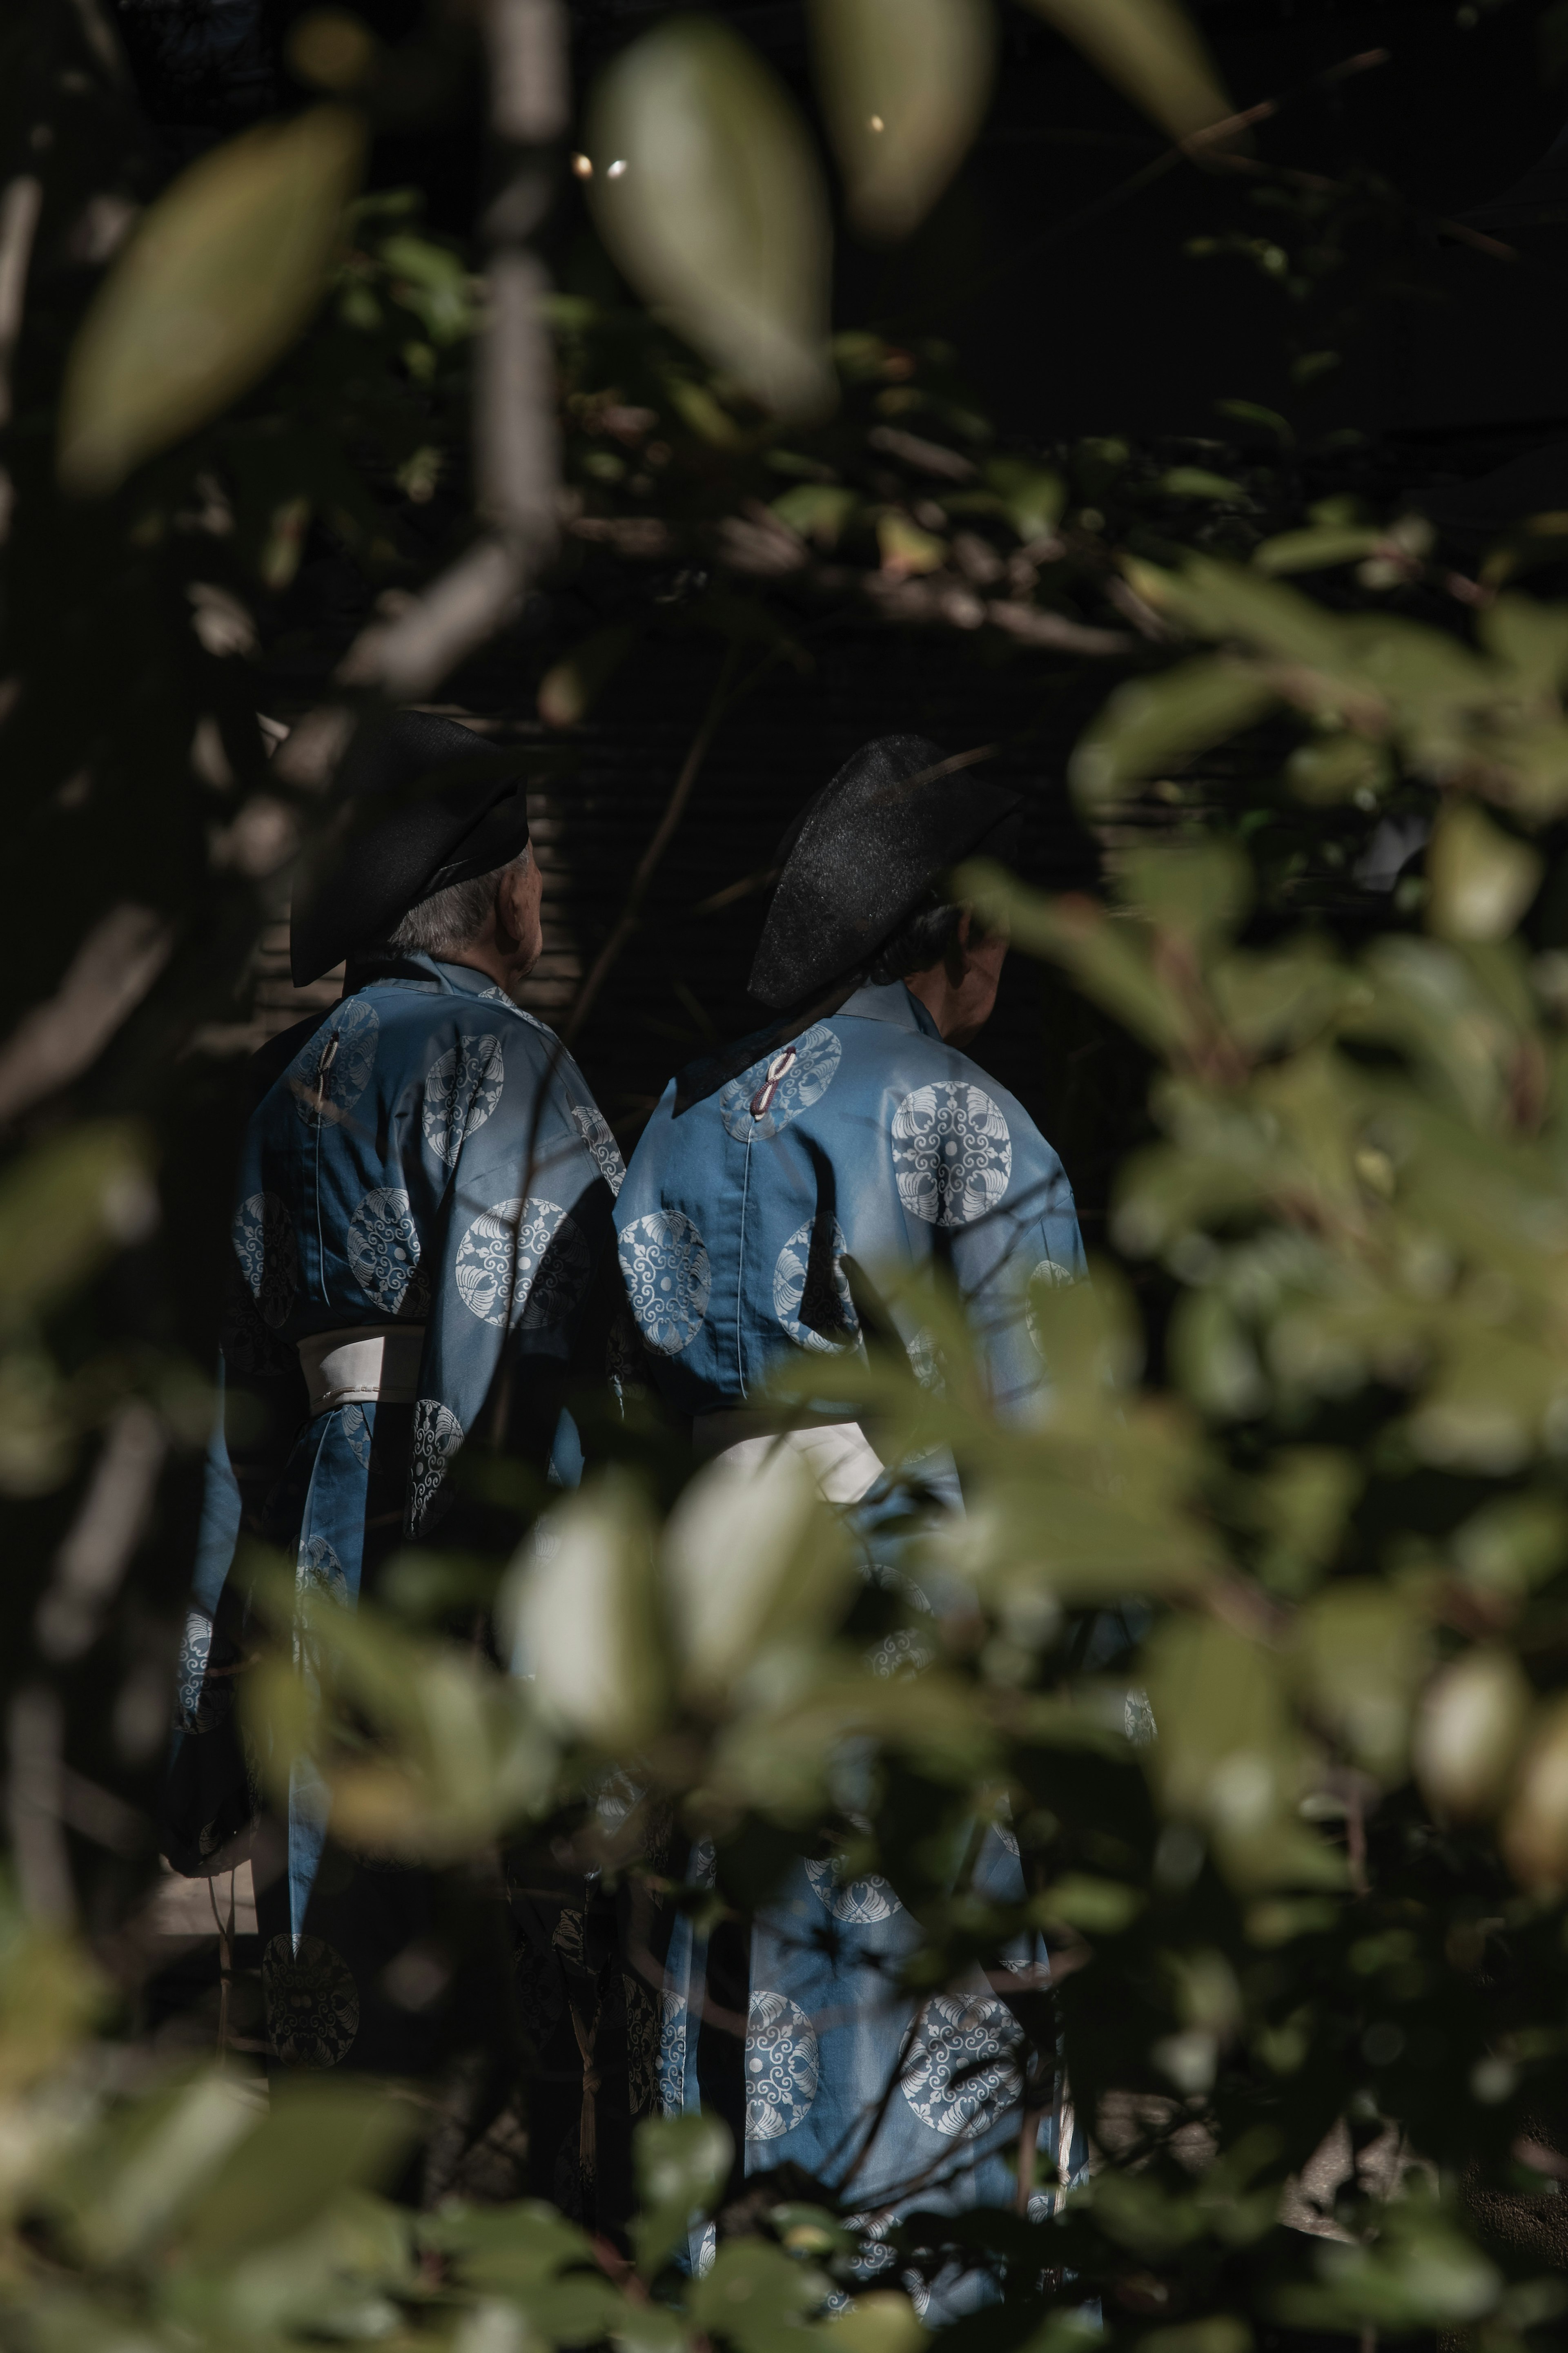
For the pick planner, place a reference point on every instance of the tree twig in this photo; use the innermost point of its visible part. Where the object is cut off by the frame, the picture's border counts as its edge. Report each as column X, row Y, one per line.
column 516, row 442
column 648, row 865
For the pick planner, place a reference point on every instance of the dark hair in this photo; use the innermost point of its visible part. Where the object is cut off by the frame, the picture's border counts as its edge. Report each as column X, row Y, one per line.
column 922, row 939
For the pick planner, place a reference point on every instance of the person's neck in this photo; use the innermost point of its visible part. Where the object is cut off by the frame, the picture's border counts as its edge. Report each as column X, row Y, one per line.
column 487, row 960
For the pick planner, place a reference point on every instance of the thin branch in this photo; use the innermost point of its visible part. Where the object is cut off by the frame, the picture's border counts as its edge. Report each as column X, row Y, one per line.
column 19, row 209
column 516, row 441
column 106, row 979
column 674, row 809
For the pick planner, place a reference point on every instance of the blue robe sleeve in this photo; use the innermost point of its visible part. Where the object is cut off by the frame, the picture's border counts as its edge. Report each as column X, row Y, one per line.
column 520, row 1250
column 1030, row 1239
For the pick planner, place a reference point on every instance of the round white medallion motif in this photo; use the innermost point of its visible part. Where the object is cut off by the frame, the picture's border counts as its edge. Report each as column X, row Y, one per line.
column 462, row 1090
column 594, row 1130
column 782, row 2066
column 269, row 1257
column 861, row 1902
column 668, row 1279
column 384, row 1248
column 437, row 1434
column 810, row 1063
column 524, row 1262
column 953, row 1155
column 811, row 1290
column 329, row 1075
column 962, row 2073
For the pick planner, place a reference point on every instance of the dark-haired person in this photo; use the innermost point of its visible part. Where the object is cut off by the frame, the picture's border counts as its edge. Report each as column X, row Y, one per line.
column 422, row 1250
column 783, row 1193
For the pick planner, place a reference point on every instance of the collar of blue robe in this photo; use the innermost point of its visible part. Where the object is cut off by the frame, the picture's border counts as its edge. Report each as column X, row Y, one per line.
column 862, row 855
column 889, row 1001
column 425, row 804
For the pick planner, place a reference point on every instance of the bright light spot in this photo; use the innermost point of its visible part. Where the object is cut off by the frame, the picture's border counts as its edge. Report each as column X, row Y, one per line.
column 582, row 165
column 875, row 122
column 616, row 170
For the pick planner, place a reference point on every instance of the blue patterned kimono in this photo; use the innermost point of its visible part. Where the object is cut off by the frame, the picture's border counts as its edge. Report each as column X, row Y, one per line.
column 424, row 1163
column 866, row 1139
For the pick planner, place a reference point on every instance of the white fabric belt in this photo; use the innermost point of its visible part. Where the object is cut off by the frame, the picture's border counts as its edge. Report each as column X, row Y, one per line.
column 367, row 1362
column 839, row 1455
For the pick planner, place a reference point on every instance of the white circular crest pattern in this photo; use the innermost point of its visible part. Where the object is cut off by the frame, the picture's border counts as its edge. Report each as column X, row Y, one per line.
column 437, row 1434
column 329, row 1075
column 782, row 2066
column 813, row 1301
column 594, row 1130
column 668, row 1279
column 269, row 1256
column 953, row 1155
column 859, row 1902
column 462, row 1090
column 524, row 1262
column 672, row 2056
column 803, row 1083
column 384, row 1248
column 961, row 2073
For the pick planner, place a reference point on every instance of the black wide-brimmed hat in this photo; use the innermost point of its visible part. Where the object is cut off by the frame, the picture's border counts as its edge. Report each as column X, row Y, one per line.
column 428, row 803
column 863, row 855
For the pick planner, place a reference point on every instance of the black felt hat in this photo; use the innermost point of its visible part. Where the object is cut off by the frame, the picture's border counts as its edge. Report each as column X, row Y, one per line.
column 863, row 855
column 428, row 803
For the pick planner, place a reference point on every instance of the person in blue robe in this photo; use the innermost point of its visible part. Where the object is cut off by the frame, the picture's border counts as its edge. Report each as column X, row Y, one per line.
column 423, row 1265
column 782, row 1195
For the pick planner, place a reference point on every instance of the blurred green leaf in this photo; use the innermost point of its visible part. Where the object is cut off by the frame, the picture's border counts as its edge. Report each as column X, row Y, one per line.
column 219, row 277
column 682, row 2165
column 707, row 194
column 1150, row 49
column 904, row 85
column 1151, row 723
column 1482, row 878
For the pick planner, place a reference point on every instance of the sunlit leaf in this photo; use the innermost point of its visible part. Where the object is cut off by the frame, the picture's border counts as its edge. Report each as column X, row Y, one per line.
column 904, row 84
column 220, row 275
column 751, row 1558
column 707, row 192
column 1151, row 50
column 1482, row 878
column 1151, row 722
column 682, row 2166
column 1474, row 1716
column 582, row 1610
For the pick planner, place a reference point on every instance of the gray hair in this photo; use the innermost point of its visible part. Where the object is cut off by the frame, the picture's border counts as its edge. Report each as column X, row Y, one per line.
column 456, row 916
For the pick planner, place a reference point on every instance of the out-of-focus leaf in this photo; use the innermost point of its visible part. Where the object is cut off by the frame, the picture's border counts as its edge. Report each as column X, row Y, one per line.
column 885, row 2321
column 707, row 192
column 1512, row 1545
column 1418, row 2273
column 1197, row 482
column 1482, row 879
column 1535, row 1824
column 752, row 1560
column 818, row 510
column 756, row 2297
column 1151, row 723
column 313, row 2141
column 682, row 2165
column 459, row 1750
column 1474, row 1716
column 1151, row 50
column 330, row 49
column 1227, row 1757
column 906, row 548
column 1361, row 1650
column 569, row 689
column 1336, row 767
column 66, row 1208
column 904, row 85
column 221, row 274
column 504, row 2251
column 1315, row 550
column 132, row 2189
column 1034, row 496
column 582, row 1604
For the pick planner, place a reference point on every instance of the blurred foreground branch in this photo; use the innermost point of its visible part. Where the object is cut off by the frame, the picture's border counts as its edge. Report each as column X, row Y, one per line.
column 516, row 440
